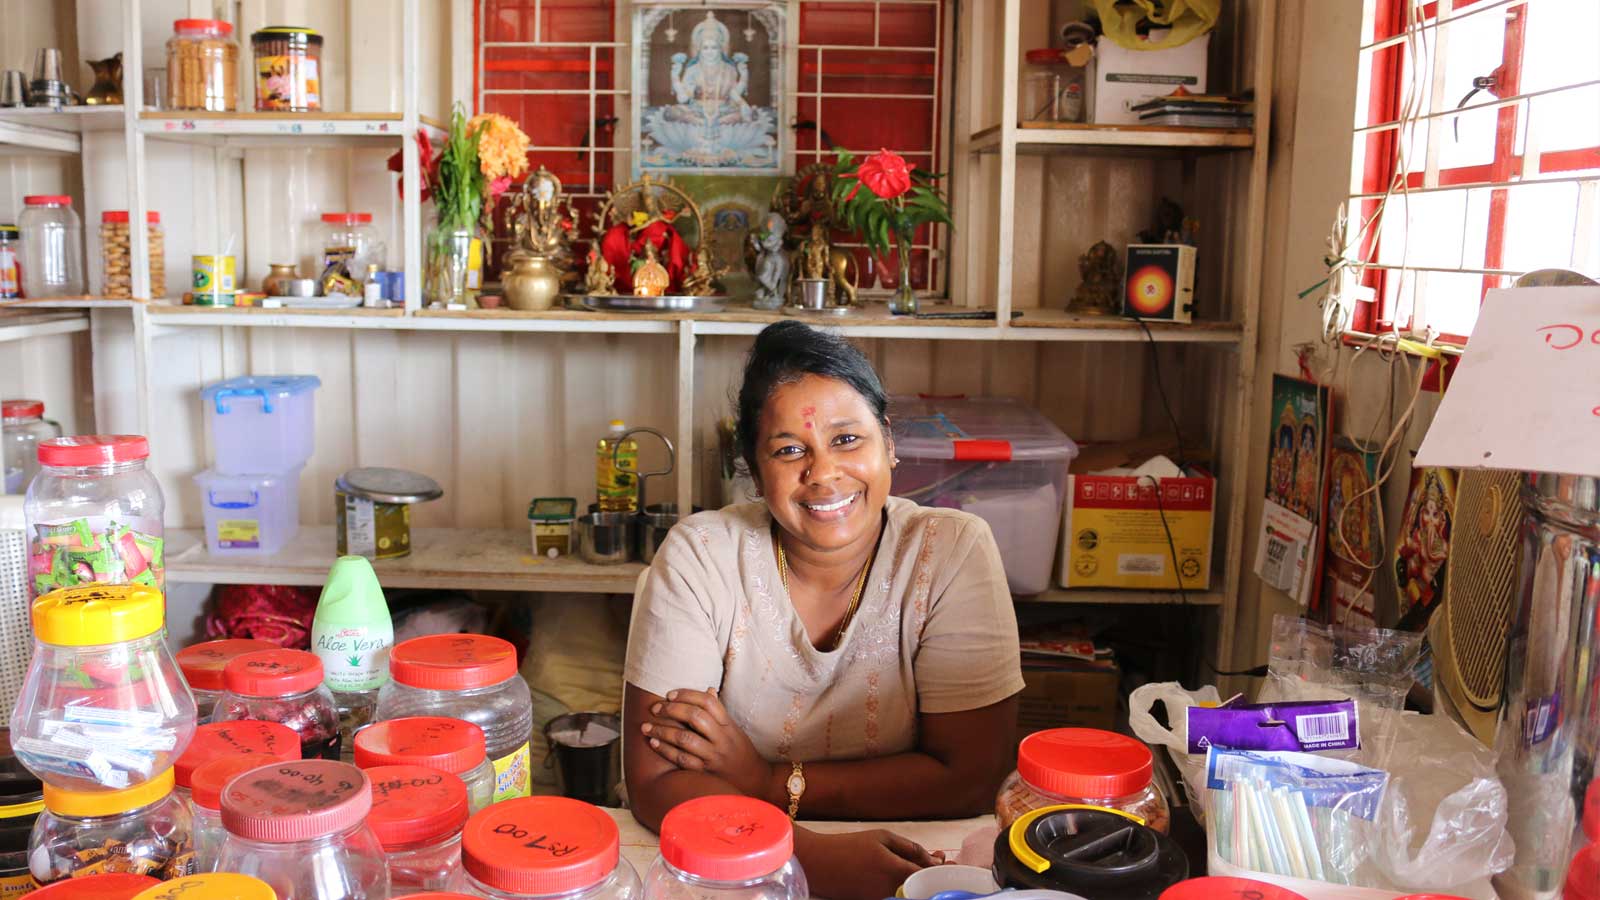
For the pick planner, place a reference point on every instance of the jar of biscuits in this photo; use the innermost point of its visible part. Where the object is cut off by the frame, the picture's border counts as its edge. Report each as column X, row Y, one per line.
column 202, row 66
column 117, row 259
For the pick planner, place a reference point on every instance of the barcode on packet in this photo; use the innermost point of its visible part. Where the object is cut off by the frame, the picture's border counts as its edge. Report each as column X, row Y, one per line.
column 1322, row 727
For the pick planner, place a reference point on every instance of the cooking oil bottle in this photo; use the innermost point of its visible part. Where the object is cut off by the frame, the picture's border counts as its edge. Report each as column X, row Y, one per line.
column 617, row 485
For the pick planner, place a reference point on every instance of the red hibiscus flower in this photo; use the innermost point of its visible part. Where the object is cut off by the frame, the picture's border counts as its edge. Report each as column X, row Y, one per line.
column 424, row 163
column 885, row 174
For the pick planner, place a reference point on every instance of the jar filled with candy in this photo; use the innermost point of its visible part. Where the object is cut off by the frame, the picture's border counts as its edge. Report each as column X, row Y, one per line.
column 205, row 804
column 472, row 677
column 434, row 742
column 545, row 847
column 22, row 427
column 726, row 848
column 144, row 830
column 283, row 686
column 202, row 666
column 94, row 514
column 417, row 814
column 103, row 707
column 21, row 802
column 259, row 742
column 1083, row 766
column 301, row 828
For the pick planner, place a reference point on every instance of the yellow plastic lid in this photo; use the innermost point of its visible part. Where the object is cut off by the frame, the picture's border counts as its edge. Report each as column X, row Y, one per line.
column 82, row 804
column 289, row 29
column 211, row 886
column 98, row 614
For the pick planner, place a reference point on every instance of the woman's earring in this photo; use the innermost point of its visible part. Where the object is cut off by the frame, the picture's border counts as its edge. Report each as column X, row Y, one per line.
column 894, row 461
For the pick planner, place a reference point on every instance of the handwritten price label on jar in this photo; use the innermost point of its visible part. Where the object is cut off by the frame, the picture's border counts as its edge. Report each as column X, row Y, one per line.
column 1526, row 395
column 532, row 841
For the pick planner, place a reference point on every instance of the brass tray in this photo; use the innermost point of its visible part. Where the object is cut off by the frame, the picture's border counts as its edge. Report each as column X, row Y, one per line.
column 630, row 303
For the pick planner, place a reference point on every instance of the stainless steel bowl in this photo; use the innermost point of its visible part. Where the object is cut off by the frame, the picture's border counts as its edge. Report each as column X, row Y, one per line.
column 654, row 523
column 295, row 287
column 606, row 538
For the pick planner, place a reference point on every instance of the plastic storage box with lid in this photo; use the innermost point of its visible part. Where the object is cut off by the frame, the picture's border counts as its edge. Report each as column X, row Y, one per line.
column 301, row 827
column 996, row 458
column 103, row 707
column 249, row 515
column 546, row 847
column 283, row 686
column 417, row 814
column 206, row 785
column 261, row 424
column 726, row 848
column 435, row 742
column 94, row 514
column 144, row 829
column 1083, row 766
column 261, row 742
column 22, row 428
column 202, row 666
column 472, row 677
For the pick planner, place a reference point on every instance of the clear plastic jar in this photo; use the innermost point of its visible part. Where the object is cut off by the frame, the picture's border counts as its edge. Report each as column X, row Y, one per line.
column 351, row 239
column 116, row 254
column 21, row 802
column 1083, row 766
column 283, row 686
column 301, row 828
column 202, row 66
column 447, row 745
column 202, row 666
column 22, row 427
column 52, row 247
column 205, row 804
column 144, row 830
column 10, row 256
column 417, row 814
column 110, row 886
column 94, row 514
column 103, row 708
column 259, row 742
column 471, row 677
column 212, row 886
column 287, row 61
column 546, row 847
column 726, row 848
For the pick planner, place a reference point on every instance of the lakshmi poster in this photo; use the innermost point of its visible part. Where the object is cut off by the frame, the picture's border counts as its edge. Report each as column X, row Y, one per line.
column 1353, row 552
column 708, row 86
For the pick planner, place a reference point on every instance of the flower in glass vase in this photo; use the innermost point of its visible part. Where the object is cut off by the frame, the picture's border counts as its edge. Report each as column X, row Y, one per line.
column 897, row 201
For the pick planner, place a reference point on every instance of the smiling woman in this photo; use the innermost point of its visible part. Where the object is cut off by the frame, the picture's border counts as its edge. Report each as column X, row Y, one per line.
column 833, row 650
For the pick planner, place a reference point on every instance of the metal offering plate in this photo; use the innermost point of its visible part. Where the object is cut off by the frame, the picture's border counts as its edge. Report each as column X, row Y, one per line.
column 827, row 312
column 667, row 303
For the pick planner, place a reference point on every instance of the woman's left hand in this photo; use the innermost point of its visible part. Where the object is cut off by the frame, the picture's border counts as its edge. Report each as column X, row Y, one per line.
column 695, row 732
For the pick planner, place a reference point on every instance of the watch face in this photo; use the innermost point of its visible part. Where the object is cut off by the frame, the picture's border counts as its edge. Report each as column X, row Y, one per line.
column 797, row 783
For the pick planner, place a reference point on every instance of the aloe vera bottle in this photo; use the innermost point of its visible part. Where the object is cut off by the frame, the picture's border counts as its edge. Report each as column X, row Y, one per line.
column 352, row 633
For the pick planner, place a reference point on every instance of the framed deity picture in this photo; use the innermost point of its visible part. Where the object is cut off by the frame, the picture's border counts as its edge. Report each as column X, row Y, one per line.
column 709, row 89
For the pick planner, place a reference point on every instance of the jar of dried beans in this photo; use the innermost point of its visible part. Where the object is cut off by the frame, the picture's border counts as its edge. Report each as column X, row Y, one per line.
column 117, row 265
column 288, row 62
column 202, row 66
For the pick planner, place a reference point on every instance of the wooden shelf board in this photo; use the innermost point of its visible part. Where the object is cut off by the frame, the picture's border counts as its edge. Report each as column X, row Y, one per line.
column 20, row 323
column 1067, row 135
column 1056, row 324
column 201, row 125
column 461, row 558
column 172, row 313
column 1122, row 597
column 70, row 303
column 39, row 130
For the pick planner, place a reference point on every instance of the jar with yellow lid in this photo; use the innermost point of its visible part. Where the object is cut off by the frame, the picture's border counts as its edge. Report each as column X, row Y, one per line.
column 104, row 707
column 211, row 886
column 21, row 801
column 145, row 830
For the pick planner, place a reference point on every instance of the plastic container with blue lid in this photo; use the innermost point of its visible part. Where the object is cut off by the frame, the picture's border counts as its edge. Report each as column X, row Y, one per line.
column 261, row 424
column 249, row 515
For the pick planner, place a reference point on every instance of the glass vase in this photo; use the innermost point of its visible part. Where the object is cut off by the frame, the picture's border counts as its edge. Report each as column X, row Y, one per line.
column 448, row 255
column 904, row 300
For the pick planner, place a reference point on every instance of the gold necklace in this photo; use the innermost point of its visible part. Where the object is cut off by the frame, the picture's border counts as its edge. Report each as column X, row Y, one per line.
column 855, row 600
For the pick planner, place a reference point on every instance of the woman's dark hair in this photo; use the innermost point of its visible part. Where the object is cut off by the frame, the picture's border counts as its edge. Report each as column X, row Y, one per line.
column 785, row 352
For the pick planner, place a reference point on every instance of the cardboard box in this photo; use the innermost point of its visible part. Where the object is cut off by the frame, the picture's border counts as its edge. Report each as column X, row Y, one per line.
column 1124, row 78
column 1060, row 697
column 1113, row 535
column 1159, row 284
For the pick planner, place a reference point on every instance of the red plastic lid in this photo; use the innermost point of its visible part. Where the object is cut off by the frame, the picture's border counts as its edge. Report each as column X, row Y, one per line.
column 93, row 449
column 21, row 409
column 296, row 801
column 217, row 25
column 727, row 838
column 263, row 742
column 208, row 781
column 452, row 662
column 1583, row 876
column 1084, row 762
column 448, row 745
column 1440, row 896
column 121, row 215
column 47, row 200
column 1216, row 888
column 202, row 664
column 413, row 804
column 440, row 895
column 540, row 845
column 108, row 886
column 1591, row 811
column 272, row 673
column 1045, row 56
column 347, row 218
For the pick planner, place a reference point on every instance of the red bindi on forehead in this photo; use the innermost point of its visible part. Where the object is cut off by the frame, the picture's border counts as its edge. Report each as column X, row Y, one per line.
column 809, row 412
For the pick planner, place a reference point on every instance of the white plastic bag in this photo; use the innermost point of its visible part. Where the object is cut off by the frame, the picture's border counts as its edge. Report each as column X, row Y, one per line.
column 1176, row 699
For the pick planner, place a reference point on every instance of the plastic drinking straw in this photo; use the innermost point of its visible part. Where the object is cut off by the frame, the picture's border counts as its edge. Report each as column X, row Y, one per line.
column 1261, row 794
column 1307, row 835
column 1284, row 817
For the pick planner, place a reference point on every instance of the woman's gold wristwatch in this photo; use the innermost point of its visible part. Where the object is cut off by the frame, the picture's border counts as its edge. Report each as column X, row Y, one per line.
column 796, row 785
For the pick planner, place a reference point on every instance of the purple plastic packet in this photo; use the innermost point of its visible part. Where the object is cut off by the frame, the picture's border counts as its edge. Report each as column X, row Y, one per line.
column 1303, row 726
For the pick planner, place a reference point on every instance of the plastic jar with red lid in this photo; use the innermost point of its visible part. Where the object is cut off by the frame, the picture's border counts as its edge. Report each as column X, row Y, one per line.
column 202, row 666
column 283, row 686
column 258, row 742
column 206, row 784
column 22, row 427
column 52, row 247
column 202, row 66
column 1083, row 766
column 350, row 239
column 726, row 848
column 447, row 745
column 546, row 847
column 1220, row 888
column 417, row 814
column 301, row 827
column 94, row 514
column 109, row 886
column 472, row 677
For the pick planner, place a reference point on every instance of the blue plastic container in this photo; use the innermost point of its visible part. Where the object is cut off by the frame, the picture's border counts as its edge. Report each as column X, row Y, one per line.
column 261, row 424
column 249, row 515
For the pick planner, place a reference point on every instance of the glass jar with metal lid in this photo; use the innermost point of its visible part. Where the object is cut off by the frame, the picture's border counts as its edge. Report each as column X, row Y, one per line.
column 373, row 508
column 288, row 61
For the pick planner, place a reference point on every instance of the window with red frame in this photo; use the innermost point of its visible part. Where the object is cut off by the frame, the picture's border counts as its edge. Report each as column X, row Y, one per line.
column 872, row 75
column 1476, row 154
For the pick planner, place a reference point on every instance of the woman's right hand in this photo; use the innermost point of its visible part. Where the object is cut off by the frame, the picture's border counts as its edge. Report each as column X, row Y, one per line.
column 860, row 865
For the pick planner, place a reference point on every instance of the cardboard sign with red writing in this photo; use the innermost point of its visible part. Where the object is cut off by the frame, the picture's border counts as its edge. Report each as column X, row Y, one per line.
column 1526, row 395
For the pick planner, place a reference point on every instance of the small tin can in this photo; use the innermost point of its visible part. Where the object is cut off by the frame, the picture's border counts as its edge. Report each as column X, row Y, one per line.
column 552, row 519
column 213, row 282
column 373, row 510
